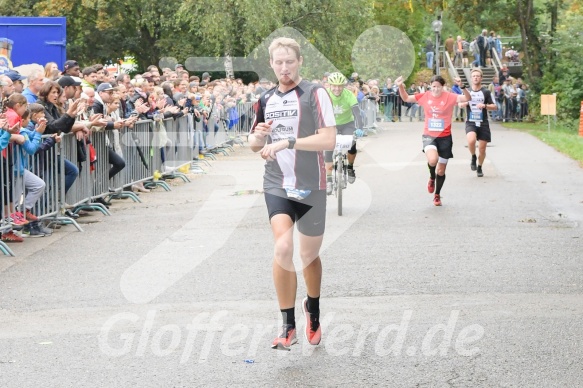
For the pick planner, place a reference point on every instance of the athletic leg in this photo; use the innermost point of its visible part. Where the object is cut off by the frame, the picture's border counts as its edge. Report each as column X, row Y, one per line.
column 471, row 136
column 284, row 274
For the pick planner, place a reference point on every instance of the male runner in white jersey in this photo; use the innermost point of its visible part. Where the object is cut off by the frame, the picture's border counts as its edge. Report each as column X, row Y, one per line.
column 294, row 123
column 348, row 121
column 477, row 126
column 437, row 142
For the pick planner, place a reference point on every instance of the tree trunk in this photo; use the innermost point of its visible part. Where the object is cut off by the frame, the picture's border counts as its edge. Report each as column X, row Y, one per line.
column 148, row 53
column 529, row 33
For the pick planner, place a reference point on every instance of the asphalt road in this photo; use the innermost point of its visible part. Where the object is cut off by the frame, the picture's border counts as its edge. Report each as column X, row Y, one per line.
column 176, row 291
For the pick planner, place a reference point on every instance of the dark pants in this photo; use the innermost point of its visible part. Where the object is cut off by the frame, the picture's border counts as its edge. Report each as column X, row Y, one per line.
column 483, row 57
column 116, row 161
column 71, row 173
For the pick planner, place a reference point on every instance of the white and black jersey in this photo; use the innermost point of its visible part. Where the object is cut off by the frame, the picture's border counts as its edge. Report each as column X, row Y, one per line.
column 478, row 116
column 297, row 113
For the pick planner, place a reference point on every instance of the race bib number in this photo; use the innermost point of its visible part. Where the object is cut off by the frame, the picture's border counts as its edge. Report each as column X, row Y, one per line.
column 436, row 125
column 476, row 116
column 343, row 143
column 297, row 194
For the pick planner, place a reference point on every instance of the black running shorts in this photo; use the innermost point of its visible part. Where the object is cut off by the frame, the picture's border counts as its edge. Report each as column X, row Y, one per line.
column 444, row 145
column 309, row 213
column 482, row 132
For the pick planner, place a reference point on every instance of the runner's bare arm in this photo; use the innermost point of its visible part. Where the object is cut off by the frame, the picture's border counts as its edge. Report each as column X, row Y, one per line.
column 464, row 97
column 402, row 92
column 324, row 139
column 258, row 137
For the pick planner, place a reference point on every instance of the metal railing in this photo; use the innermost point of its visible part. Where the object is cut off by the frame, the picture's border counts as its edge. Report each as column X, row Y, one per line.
column 148, row 152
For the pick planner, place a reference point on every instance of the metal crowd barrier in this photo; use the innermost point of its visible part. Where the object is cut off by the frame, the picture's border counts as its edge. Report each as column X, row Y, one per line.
column 8, row 182
column 135, row 147
column 81, row 193
column 513, row 109
column 391, row 107
column 239, row 120
column 146, row 159
column 368, row 109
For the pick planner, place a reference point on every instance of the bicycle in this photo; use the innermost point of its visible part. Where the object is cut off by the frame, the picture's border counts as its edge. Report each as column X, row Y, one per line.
column 339, row 175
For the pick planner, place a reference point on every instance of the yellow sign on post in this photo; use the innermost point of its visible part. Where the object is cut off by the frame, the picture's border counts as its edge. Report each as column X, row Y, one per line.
column 548, row 104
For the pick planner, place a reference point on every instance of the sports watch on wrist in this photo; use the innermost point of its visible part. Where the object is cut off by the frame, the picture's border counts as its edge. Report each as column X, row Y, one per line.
column 292, row 142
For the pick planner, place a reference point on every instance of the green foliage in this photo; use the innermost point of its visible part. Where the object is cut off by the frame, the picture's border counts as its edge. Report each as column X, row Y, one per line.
column 564, row 75
column 415, row 23
column 103, row 31
column 17, row 7
column 237, row 28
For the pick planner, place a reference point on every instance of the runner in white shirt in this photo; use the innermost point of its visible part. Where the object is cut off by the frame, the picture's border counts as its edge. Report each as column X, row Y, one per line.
column 294, row 123
column 477, row 125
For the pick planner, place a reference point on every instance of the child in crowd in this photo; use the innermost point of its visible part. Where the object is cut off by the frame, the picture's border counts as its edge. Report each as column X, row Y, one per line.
column 29, row 142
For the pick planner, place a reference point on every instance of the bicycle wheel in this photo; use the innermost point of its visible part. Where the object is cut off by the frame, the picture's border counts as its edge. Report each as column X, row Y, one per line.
column 339, row 182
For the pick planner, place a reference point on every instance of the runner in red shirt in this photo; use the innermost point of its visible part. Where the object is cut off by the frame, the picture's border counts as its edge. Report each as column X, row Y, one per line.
column 437, row 142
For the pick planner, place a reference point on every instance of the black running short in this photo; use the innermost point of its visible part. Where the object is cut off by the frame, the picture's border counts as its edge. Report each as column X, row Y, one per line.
column 482, row 132
column 309, row 213
column 444, row 145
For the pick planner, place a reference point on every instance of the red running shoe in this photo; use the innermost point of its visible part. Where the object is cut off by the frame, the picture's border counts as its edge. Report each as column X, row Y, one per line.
column 431, row 185
column 18, row 219
column 286, row 339
column 29, row 216
column 437, row 200
column 11, row 237
column 313, row 330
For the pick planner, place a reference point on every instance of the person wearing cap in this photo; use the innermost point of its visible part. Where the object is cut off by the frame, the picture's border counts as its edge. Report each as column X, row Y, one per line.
column 17, row 81
column 14, row 76
column 35, row 83
column 69, row 86
column 206, row 77
column 104, row 96
column 178, row 67
column 8, row 87
column 71, row 68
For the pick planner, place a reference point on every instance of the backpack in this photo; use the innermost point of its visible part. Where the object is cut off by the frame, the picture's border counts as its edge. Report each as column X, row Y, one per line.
column 465, row 47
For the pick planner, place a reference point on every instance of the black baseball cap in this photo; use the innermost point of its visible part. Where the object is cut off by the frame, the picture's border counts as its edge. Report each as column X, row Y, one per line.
column 67, row 80
column 69, row 64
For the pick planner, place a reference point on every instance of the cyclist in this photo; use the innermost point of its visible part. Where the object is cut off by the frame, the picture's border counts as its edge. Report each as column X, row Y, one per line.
column 348, row 119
